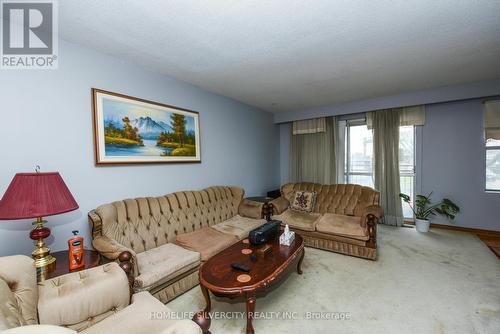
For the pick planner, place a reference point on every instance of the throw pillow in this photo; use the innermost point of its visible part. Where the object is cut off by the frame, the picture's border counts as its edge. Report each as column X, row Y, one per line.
column 303, row 200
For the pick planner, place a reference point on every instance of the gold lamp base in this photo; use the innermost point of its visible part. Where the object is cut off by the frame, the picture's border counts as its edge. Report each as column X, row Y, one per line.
column 43, row 260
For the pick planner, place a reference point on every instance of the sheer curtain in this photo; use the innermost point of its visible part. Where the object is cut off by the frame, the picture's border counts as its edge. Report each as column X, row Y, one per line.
column 385, row 125
column 313, row 153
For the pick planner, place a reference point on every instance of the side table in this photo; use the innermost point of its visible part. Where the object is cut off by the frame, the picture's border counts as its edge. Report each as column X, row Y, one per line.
column 92, row 259
column 267, row 208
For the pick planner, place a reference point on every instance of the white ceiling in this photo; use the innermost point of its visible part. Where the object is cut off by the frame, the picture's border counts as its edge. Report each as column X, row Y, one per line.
column 283, row 55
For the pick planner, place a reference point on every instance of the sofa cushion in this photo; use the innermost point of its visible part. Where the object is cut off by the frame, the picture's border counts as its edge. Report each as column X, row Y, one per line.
column 206, row 241
column 146, row 314
column 303, row 201
column 347, row 226
column 239, row 226
column 299, row 220
column 161, row 264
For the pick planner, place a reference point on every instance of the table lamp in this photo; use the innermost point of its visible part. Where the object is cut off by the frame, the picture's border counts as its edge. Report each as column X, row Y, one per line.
column 36, row 195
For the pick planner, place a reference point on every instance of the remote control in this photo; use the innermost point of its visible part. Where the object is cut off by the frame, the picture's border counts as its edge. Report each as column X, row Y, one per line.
column 241, row 267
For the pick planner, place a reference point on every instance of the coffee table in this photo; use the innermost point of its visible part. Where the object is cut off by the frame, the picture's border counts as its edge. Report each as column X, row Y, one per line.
column 217, row 275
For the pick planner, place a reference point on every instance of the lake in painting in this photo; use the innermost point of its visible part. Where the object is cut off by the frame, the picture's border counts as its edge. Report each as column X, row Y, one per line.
column 136, row 130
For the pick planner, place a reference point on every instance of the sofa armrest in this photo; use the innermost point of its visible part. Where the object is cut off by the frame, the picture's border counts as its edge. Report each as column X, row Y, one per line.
column 280, row 204
column 371, row 216
column 124, row 256
column 83, row 297
column 250, row 209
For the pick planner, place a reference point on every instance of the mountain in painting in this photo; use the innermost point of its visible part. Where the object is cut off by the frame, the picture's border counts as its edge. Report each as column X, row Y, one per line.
column 148, row 128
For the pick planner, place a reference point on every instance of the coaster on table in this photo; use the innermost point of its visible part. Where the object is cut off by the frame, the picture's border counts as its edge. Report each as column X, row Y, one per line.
column 246, row 241
column 243, row 278
column 246, row 251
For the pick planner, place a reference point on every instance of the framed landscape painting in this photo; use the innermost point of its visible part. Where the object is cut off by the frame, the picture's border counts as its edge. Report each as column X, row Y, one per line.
column 128, row 130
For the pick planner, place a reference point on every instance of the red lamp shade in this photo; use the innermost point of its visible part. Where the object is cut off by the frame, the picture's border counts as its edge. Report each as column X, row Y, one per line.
column 34, row 195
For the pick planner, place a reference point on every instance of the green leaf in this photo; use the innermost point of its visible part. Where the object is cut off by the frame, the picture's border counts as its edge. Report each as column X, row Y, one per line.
column 405, row 197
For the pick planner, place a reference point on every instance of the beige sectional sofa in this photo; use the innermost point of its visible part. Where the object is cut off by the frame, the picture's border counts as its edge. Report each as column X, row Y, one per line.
column 344, row 217
column 91, row 301
column 169, row 236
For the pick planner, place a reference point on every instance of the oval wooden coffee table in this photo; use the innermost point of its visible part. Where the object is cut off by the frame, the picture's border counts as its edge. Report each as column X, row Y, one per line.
column 217, row 275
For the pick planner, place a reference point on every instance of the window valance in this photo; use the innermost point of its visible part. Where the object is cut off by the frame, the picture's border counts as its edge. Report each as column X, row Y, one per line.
column 414, row 115
column 492, row 119
column 314, row 125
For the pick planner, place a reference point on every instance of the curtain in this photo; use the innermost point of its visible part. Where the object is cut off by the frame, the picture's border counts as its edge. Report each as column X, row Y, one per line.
column 340, row 151
column 414, row 115
column 386, row 163
column 313, row 155
column 492, row 120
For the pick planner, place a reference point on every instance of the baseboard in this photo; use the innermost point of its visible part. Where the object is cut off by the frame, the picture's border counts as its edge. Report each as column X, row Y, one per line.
column 478, row 231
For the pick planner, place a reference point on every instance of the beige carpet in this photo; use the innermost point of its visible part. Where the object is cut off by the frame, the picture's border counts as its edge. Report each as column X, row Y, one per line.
column 439, row 282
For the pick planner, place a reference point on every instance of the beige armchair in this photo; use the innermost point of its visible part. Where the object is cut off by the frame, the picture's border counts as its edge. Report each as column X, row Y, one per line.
column 95, row 300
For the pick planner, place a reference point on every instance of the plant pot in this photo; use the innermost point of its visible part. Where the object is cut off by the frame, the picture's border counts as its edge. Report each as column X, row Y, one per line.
column 422, row 225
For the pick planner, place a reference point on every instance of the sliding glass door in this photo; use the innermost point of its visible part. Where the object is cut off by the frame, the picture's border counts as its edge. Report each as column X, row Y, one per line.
column 359, row 154
column 359, row 157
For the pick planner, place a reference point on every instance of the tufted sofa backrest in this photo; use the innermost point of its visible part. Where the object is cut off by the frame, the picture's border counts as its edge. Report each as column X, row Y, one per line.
column 145, row 223
column 345, row 199
column 65, row 300
column 18, row 292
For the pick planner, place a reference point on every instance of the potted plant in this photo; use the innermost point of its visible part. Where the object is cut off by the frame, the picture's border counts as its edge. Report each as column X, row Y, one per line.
column 423, row 209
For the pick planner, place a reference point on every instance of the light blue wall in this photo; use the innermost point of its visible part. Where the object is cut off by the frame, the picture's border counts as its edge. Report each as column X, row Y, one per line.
column 450, row 161
column 453, row 162
column 46, row 120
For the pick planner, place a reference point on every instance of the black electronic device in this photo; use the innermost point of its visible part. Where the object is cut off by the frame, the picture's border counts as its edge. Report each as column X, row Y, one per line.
column 241, row 267
column 274, row 193
column 265, row 233
column 253, row 257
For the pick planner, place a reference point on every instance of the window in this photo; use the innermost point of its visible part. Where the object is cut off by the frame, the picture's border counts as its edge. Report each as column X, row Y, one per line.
column 359, row 154
column 407, row 165
column 492, row 165
column 492, row 136
column 359, row 158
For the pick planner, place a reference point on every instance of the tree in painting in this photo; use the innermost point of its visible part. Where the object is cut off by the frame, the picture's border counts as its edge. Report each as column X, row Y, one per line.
column 181, row 140
column 130, row 132
column 178, row 123
column 126, row 136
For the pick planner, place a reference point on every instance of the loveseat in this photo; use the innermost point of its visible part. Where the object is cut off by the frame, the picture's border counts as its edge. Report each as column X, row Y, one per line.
column 343, row 218
column 169, row 236
column 90, row 301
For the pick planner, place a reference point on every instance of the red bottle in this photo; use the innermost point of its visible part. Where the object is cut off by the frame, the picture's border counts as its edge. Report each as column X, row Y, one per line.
column 75, row 253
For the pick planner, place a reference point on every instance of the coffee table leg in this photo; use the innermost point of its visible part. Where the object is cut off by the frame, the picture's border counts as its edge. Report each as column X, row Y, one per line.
column 206, row 294
column 250, row 311
column 299, row 265
column 202, row 318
